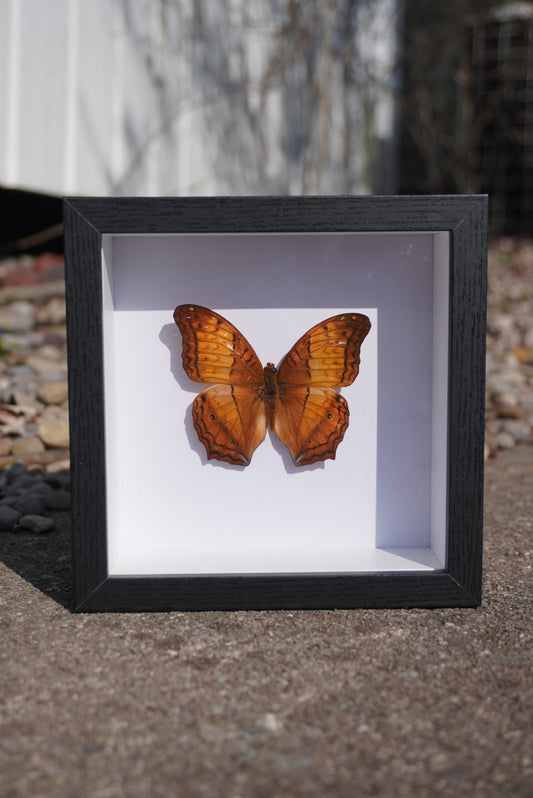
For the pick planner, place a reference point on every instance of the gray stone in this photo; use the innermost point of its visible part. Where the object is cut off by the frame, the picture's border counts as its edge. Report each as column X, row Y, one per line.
column 30, row 504
column 36, row 523
column 527, row 401
column 519, row 430
column 8, row 518
column 21, row 481
column 45, row 364
column 10, row 499
column 505, row 441
column 17, row 317
column 14, row 471
column 59, row 479
column 54, row 375
column 42, row 487
column 58, row 500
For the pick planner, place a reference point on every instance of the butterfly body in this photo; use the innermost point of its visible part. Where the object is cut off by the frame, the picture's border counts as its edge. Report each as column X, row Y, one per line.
column 297, row 399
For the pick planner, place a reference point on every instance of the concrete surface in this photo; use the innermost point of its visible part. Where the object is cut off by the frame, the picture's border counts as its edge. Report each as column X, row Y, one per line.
column 351, row 703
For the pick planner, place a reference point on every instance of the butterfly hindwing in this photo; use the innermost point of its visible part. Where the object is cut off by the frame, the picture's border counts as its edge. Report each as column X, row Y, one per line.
column 328, row 355
column 311, row 422
column 230, row 421
column 214, row 351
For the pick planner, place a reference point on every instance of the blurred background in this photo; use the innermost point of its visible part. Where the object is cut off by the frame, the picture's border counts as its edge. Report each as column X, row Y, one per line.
column 175, row 97
column 252, row 97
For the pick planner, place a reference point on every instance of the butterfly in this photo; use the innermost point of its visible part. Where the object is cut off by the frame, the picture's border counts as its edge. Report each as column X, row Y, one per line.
column 297, row 399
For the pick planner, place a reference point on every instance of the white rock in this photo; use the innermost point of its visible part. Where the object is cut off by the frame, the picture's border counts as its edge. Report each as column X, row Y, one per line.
column 519, row 430
column 505, row 441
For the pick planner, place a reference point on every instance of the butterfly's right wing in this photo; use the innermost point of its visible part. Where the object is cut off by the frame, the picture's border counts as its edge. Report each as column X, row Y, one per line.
column 230, row 421
column 214, row 351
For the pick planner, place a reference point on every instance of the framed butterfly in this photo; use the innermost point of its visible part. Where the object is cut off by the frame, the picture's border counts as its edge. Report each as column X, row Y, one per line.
column 297, row 399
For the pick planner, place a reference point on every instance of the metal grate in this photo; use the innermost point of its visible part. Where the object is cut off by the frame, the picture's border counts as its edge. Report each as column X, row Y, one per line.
column 502, row 70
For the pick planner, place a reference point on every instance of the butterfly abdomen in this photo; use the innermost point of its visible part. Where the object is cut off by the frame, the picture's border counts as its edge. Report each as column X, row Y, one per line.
column 270, row 392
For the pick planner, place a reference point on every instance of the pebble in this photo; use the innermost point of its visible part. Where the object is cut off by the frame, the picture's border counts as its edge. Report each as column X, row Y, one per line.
column 21, row 480
column 44, row 364
column 16, row 470
column 26, row 496
column 55, row 466
column 53, row 393
column 58, row 480
column 25, row 447
column 8, row 518
column 504, row 440
column 35, row 523
column 30, row 503
column 58, row 500
column 54, row 432
column 50, row 460
column 43, row 488
column 28, row 400
column 17, row 317
column 518, row 430
column 52, row 312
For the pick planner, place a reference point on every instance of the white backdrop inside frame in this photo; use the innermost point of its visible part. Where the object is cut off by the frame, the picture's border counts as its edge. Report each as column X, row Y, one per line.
column 373, row 508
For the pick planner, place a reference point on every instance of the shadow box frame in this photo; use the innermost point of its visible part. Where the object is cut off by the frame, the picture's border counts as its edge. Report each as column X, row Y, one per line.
column 419, row 259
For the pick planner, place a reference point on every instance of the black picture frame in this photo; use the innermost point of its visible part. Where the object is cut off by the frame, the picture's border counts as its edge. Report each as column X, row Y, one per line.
column 88, row 224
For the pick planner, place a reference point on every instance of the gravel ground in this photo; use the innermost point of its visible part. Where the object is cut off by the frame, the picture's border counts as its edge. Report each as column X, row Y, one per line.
column 509, row 345
column 363, row 702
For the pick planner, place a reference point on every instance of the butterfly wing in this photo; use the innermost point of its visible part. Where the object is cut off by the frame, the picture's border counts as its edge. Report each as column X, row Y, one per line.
column 230, row 421
column 214, row 351
column 328, row 355
column 311, row 422
column 230, row 417
column 310, row 416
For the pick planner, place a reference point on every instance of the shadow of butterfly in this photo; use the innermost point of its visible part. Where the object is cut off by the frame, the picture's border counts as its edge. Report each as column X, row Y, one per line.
column 297, row 399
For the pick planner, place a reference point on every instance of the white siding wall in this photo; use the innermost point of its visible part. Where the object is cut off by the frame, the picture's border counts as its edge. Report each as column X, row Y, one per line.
column 111, row 97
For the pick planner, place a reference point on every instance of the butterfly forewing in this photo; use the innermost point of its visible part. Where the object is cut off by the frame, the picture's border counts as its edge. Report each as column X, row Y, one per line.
column 214, row 351
column 328, row 355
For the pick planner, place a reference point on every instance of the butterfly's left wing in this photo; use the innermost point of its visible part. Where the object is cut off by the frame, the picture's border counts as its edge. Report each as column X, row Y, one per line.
column 311, row 422
column 328, row 355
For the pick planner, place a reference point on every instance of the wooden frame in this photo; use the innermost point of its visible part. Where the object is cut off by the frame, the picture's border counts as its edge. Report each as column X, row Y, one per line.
column 123, row 254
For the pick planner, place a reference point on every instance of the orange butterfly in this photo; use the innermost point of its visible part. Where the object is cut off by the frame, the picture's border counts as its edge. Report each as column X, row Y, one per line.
column 296, row 399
